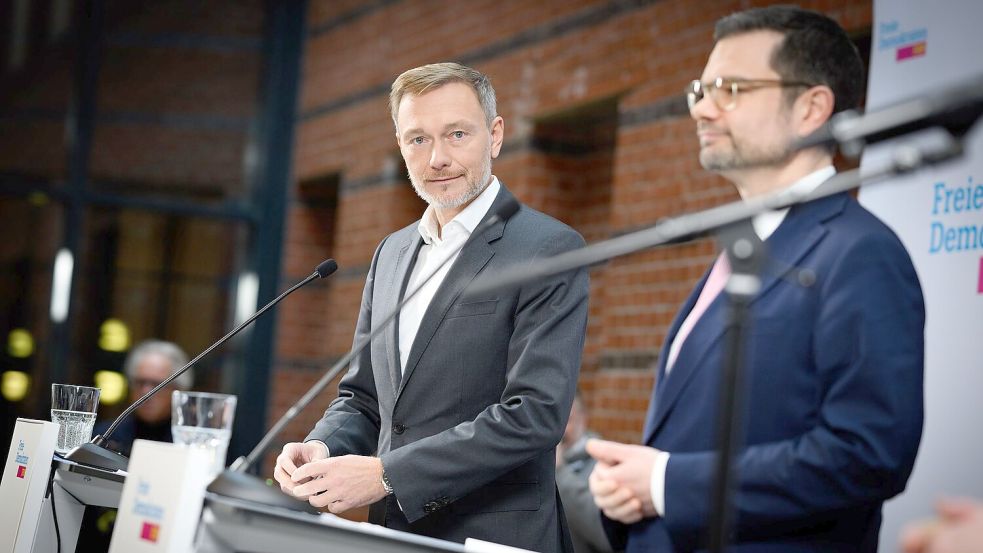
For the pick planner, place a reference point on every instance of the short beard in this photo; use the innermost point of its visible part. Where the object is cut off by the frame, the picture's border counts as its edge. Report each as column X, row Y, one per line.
column 746, row 158
column 476, row 184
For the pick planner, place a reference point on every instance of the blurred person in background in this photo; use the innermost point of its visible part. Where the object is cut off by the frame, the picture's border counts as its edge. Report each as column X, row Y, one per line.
column 146, row 366
column 573, row 467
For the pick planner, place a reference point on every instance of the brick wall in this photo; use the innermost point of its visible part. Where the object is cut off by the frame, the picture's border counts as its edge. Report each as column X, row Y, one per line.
column 596, row 135
column 557, row 67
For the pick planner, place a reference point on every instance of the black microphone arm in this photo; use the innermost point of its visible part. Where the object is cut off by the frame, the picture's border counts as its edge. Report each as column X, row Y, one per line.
column 97, row 453
column 955, row 108
column 691, row 226
column 235, row 482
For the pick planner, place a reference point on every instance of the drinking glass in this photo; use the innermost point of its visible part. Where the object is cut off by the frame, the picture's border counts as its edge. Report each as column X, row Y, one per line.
column 74, row 409
column 202, row 419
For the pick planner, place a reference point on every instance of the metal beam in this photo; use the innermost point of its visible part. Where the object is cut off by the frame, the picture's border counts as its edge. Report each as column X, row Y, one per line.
column 273, row 144
column 80, row 125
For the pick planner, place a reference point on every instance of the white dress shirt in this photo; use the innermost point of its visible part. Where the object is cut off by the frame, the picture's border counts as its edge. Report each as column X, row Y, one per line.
column 439, row 245
column 765, row 225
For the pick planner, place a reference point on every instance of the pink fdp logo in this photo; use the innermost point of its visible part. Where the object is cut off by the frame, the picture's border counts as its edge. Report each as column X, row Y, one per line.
column 22, row 470
column 909, row 51
column 150, row 532
column 979, row 284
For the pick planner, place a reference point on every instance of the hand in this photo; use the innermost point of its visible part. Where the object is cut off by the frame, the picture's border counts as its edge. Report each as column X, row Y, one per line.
column 615, row 501
column 917, row 536
column 629, row 467
column 340, row 483
column 958, row 529
column 292, row 456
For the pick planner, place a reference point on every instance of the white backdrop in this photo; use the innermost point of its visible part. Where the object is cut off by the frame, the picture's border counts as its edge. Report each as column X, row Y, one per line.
column 918, row 47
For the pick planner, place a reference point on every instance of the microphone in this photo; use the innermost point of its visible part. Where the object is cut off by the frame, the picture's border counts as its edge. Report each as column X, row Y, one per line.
column 234, row 482
column 955, row 108
column 97, row 453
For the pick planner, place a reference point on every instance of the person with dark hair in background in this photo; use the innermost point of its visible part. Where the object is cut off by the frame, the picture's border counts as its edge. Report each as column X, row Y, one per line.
column 833, row 371
column 573, row 467
column 446, row 424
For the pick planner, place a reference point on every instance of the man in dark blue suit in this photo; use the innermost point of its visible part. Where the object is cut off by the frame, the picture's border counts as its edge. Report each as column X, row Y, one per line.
column 834, row 370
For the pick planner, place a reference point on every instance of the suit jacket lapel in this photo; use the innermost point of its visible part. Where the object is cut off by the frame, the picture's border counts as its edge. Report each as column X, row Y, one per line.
column 795, row 237
column 401, row 274
column 660, row 372
column 474, row 256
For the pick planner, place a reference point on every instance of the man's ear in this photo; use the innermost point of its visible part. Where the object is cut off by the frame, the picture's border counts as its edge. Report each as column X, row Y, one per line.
column 813, row 108
column 497, row 135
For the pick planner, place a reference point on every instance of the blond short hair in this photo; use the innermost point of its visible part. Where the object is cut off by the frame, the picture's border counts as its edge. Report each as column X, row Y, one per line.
column 425, row 78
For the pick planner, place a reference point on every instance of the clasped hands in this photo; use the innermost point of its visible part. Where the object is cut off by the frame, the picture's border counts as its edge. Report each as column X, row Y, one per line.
column 305, row 471
column 621, row 481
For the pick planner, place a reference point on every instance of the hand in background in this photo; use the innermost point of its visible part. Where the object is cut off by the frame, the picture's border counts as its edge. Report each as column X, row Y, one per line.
column 622, row 479
column 958, row 529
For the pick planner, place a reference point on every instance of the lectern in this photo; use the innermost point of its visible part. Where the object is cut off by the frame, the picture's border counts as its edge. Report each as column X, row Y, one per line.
column 75, row 486
column 229, row 525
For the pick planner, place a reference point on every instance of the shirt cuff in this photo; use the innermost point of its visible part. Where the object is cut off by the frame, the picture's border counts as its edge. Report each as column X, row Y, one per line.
column 327, row 452
column 658, row 484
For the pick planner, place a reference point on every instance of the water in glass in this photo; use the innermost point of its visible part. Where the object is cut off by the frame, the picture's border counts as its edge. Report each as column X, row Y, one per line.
column 214, row 439
column 75, row 429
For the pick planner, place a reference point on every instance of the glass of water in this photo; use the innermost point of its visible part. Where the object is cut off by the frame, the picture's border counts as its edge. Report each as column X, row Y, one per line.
column 202, row 419
column 74, row 409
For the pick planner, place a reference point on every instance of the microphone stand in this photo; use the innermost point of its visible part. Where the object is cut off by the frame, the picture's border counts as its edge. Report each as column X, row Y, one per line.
column 97, row 454
column 746, row 253
column 236, row 483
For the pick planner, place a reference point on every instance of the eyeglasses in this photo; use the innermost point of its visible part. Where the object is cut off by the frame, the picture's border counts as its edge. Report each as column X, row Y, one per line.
column 723, row 91
column 145, row 383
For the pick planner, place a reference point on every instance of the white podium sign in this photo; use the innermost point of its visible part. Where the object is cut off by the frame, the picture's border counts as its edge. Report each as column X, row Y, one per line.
column 25, row 477
column 162, row 498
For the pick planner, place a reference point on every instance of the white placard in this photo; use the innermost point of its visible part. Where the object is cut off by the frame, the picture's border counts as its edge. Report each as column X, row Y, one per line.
column 472, row 545
column 25, row 477
column 162, row 497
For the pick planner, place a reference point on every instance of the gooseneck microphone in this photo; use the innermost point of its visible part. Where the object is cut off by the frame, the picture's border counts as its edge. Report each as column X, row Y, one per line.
column 234, row 482
column 97, row 453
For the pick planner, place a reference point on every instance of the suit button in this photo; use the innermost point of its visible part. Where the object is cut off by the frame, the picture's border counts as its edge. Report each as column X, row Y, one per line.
column 398, row 428
column 430, row 506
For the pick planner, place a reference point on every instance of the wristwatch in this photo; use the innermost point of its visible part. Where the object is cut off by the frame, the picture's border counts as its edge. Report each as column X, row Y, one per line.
column 385, row 482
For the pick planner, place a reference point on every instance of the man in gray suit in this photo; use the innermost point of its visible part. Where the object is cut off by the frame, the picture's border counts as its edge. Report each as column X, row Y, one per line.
column 447, row 424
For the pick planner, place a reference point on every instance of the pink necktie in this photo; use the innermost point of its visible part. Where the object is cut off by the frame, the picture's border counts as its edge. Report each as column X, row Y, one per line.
column 714, row 284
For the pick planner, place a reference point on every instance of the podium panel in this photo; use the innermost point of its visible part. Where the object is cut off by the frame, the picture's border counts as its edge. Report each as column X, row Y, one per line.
column 229, row 525
column 75, row 486
column 90, row 485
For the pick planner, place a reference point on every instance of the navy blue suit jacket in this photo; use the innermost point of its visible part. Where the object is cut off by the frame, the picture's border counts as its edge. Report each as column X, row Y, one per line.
column 834, row 394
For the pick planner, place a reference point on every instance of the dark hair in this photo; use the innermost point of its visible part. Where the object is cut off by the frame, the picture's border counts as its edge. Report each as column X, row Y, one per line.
column 815, row 50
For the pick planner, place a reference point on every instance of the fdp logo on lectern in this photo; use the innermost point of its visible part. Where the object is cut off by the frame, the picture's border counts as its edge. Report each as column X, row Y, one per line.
column 152, row 514
column 21, row 460
column 149, row 532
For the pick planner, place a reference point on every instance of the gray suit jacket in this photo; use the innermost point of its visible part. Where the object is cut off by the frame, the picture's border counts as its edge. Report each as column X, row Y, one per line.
column 467, row 435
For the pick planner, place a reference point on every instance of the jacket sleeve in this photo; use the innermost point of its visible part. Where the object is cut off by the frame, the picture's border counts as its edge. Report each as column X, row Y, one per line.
column 543, row 362
column 350, row 425
column 868, row 355
column 582, row 514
